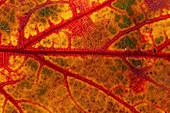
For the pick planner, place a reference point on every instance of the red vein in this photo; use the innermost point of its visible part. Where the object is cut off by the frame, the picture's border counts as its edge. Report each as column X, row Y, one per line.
column 2, row 84
column 90, row 82
column 142, row 75
column 142, row 102
column 91, row 52
column 121, row 33
column 163, row 45
column 38, row 73
column 27, row 101
column 11, row 99
column 2, row 2
column 4, row 104
column 72, row 98
column 59, row 26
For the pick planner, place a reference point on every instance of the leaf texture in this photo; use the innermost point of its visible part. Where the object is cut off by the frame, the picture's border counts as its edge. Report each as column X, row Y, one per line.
column 92, row 56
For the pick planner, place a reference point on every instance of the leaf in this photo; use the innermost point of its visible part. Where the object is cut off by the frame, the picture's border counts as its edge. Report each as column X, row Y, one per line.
column 99, row 56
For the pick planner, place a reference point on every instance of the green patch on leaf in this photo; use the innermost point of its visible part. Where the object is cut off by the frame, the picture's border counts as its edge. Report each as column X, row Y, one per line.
column 26, row 84
column 116, row 4
column 129, row 2
column 47, row 71
column 112, row 30
column 120, row 77
column 4, row 27
column 123, row 67
column 125, row 82
column 43, row 20
column 151, row 88
column 31, row 63
column 120, row 5
column 159, row 40
column 113, row 68
column 34, row 66
column 46, row 12
column 55, row 8
column 125, row 5
column 129, row 10
column 11, row 17
column 42, row 91
column 60, row 62
column 117, row 17
column 118, row 60
column 127, row 42
column 136, row 62
column 121, row 25
column 126, row 20
column 140, row 17
column 49, row 11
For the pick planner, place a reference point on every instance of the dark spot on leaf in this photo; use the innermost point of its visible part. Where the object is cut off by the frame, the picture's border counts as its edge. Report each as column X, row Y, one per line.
column 154, row 50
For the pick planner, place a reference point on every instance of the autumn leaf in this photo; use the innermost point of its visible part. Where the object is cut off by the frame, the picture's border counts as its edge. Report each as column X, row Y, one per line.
column 76, row 56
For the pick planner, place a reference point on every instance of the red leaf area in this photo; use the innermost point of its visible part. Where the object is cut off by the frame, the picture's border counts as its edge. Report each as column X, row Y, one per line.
column 76, row 56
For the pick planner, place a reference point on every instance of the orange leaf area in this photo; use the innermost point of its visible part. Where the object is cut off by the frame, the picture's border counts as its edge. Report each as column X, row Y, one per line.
column 84, row 56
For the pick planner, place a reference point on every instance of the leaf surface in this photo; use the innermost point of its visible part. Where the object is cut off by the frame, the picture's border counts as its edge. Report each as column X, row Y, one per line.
column 75, row 56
